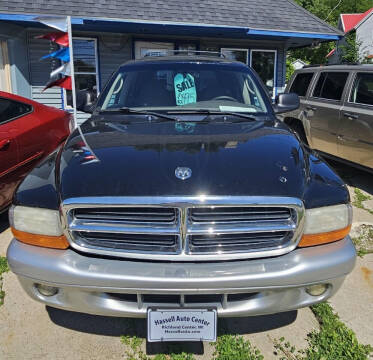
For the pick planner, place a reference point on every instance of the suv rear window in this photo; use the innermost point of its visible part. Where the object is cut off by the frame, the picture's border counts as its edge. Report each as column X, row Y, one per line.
column 301, row 83
column 330, row 85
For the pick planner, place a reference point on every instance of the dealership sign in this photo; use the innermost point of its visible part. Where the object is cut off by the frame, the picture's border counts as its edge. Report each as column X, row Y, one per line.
column 182, row 325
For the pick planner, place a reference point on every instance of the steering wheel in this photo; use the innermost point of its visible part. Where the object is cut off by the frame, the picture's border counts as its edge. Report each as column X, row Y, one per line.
column 223, row 97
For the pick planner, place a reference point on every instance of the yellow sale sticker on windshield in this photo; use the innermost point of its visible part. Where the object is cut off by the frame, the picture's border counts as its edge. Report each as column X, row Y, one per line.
column 185, row 89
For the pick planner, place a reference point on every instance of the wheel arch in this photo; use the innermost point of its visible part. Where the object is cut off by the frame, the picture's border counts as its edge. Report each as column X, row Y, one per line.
column 299, row 127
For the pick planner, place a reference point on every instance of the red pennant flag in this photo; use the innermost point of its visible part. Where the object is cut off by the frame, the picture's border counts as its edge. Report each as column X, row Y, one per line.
column 60, row 38
column 63, row 83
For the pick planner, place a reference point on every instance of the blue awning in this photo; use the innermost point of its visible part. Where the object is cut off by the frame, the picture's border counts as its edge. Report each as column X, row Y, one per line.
column 179, row 29
column 290, row 34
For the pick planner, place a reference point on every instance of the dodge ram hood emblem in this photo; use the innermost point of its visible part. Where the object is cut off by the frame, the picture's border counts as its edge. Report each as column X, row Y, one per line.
column 183, row 173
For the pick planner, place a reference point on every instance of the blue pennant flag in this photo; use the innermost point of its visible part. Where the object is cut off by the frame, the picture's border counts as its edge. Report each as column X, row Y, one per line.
column 62, row 54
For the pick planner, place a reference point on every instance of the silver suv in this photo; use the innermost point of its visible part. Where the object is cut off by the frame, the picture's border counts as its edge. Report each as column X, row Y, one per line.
column 336, row 112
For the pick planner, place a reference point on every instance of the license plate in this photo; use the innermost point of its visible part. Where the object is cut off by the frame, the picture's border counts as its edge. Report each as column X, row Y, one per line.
column 182, row 325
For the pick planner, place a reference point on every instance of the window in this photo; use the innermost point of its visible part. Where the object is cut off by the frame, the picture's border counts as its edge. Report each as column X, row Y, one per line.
column 362, row 91
column 236, row 54
column 184, row 86
column 264, row 63
column 330, row 85
column 152, row 48
column 301, row 83
column 85, row 67
column 5, row 83
column 189, row 49
column 10, row 109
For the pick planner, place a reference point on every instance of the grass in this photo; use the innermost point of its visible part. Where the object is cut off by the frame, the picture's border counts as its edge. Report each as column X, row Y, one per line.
column 133, row 351
column 364, row 241
column 359, row 198
column 230, row 347
column 227, row 347
column 3, row 265
column 333, row 341
column 3, row 269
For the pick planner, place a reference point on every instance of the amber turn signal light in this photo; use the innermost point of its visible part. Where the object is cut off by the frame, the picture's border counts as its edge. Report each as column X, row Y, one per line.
column 54, row 242
column 324, row 238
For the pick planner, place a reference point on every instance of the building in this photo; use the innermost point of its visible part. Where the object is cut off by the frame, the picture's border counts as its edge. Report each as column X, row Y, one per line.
column 109, row 32
column 362, row 25
column 298, row 64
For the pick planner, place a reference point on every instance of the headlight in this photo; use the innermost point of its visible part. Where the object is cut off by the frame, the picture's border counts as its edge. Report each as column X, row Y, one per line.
column 326, row 224
column 36, row 226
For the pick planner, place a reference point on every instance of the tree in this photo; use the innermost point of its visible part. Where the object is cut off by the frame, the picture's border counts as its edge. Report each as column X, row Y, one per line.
column 330, row 11
column 352, row 50
column 312, row 55
column 289, row 69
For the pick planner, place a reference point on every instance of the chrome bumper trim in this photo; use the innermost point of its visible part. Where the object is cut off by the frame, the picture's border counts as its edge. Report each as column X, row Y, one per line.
column 84, row 281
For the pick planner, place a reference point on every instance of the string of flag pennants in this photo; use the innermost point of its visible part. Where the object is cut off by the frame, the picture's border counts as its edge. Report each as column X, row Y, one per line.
column 64, row 75
column 61, row 76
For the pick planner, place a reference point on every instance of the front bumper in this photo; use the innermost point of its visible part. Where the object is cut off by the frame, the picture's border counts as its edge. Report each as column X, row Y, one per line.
column 104, row 286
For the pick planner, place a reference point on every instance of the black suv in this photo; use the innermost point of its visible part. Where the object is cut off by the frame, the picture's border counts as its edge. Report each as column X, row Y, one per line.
column 181, row 199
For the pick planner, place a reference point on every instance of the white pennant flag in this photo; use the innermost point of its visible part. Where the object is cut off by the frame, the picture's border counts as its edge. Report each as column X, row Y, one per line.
column 57, row 22
column 64, row 70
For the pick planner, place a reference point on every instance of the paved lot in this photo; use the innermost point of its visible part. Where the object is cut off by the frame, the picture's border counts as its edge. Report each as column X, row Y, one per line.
column 354, row 302
column 29, row 330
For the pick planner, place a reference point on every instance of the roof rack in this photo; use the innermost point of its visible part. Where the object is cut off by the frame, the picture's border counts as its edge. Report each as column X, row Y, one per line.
column 322, row 65
column 161, row 53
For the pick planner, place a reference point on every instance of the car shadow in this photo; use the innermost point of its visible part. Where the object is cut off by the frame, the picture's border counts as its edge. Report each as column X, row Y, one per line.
column 116, row 326
column 226, row 326
column 353, row 176
column 4, row 221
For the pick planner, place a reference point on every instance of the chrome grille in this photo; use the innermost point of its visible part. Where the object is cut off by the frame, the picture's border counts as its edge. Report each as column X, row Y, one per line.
column 129, row 214
column 238, row 214
column 130, row 242
column 213, row 243
column 184, row 228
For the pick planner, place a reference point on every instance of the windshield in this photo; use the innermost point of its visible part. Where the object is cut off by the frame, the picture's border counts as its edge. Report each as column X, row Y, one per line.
column 174, row 87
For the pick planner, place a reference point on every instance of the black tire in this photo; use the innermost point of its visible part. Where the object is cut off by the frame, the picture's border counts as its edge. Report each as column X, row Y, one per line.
column 298, row 128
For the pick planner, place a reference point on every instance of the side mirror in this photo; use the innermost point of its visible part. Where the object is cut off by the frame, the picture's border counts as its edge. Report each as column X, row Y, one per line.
column 85, row 100
column 286, row 102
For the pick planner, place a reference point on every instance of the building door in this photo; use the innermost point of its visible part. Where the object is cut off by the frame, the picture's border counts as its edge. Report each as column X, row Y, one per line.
column 143, row 48
column 264, row 63
column 5, row 84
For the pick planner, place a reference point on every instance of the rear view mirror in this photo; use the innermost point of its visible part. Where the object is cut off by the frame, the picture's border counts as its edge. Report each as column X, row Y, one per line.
column 286, row 102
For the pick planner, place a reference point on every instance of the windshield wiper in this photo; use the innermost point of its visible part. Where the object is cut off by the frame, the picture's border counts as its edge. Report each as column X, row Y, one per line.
column 213, row 112
column 128, row 110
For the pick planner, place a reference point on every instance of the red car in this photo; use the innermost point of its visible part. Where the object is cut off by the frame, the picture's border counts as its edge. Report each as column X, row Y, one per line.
column 29, row 131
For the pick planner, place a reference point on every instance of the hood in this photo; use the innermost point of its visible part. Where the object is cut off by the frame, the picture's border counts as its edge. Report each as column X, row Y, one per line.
column 114, row 157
